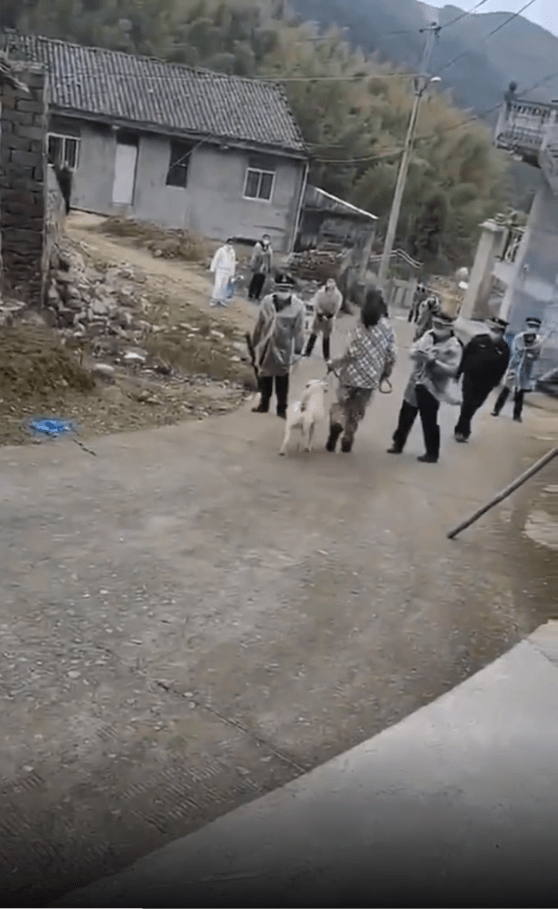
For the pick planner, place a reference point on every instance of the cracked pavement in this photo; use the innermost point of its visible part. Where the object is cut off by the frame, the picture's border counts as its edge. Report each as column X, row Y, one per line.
column 190, row 621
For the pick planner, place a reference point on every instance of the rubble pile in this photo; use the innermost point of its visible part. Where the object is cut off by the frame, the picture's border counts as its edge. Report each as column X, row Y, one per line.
column 168, row 244
column 10, row 311
column 315, row 265
column 107, row 350
column 87, row 301
column 34, row 363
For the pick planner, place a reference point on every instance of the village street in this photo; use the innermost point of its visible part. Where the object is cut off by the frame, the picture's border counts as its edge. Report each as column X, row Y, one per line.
column 190, row 621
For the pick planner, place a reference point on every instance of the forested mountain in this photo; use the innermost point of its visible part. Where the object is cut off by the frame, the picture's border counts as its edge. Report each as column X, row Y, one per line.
column 350, row 91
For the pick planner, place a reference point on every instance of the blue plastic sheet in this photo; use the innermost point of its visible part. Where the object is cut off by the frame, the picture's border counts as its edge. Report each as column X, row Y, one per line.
column 52, row 427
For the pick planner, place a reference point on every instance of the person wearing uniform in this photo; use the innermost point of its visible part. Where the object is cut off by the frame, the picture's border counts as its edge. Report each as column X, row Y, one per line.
column 277, row 341
column 483, row 366
column 436, row 356
column 525, row 352
column 427, row 310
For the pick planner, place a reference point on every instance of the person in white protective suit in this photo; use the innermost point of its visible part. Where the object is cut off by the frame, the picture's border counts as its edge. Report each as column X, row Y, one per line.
column 223, row 266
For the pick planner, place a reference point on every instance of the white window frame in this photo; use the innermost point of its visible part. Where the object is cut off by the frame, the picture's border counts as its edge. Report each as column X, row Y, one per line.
column 261, row 171
column 65, row 138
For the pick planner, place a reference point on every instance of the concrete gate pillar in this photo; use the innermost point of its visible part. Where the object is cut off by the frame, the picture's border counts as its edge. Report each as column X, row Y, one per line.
column 480, row 281
column 534, row 283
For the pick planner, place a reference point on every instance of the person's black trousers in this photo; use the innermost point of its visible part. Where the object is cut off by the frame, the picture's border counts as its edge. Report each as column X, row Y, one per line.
column 325, row 346
column 518, row 400
column 474, row 397
column 281, row 392
column 427, row 408
column 256, row 287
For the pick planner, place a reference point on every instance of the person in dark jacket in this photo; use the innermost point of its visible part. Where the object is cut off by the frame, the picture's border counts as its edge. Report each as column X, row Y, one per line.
column 64, row 177
column 483, row 366
column 420, row 296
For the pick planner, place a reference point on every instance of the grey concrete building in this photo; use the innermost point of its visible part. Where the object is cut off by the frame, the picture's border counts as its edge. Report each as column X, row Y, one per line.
column 184, row 148
column 529, row 131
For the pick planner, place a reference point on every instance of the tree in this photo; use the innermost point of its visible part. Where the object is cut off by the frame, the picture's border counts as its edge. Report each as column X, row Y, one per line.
column 353, row 110
column 430, row 227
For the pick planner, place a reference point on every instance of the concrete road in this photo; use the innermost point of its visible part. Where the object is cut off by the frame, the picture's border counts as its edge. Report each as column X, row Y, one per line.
column 190, row 621
column 456, row 805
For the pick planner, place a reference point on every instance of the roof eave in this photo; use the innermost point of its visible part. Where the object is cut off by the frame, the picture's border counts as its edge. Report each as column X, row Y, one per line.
column 205, row 138
column 355, row 215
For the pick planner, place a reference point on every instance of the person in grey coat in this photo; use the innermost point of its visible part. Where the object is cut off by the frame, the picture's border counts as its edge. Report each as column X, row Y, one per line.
column 436, row 357
column 261, row 265
column 277, row 341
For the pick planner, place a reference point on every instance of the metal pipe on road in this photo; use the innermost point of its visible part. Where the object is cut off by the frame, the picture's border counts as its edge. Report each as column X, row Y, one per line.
column 505, row 492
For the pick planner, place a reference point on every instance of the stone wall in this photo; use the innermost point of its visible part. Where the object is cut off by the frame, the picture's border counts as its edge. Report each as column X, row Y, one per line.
column 23, row 187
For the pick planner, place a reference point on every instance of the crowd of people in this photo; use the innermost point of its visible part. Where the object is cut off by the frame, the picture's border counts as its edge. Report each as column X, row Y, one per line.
column 443, row 369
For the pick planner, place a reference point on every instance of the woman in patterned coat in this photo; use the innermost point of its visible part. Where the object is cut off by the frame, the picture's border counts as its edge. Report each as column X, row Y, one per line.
column 369, row 358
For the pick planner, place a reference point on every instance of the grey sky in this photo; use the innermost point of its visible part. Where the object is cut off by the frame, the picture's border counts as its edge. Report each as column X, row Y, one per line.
column 543, row 12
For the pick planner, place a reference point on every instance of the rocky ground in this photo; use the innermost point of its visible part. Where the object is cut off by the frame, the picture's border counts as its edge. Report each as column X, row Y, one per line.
column 139, row 324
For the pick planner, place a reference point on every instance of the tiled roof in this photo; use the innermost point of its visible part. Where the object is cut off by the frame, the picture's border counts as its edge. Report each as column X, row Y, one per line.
column 140, row 90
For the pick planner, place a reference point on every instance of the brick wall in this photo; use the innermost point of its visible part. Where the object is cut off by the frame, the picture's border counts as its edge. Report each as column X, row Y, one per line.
column 23, row 187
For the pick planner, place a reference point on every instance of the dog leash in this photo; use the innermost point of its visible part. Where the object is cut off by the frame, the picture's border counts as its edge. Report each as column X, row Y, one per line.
column 385, row 387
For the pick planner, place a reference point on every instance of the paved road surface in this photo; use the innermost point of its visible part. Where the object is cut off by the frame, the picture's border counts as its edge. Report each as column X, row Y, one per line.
column 456, row 805
column 190, row 621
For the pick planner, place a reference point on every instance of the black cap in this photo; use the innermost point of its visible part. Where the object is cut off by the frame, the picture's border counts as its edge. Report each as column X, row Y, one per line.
column 442, row 316
column 498, row 323
column 284, row 280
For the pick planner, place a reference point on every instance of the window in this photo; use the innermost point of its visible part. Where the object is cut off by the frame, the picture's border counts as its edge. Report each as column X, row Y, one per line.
column 178, row 166
column 259, row 184
column 63, row 150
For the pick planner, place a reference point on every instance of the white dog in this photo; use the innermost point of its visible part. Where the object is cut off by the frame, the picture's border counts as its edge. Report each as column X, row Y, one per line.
column 306, row 413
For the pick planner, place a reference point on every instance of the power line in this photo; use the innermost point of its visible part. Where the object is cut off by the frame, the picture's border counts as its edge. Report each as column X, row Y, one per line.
column 483, row 113
column 357, row 76
column 447, row 129
column 513, row 16
column 489, row 35
column 464, row 14
column 348, row 161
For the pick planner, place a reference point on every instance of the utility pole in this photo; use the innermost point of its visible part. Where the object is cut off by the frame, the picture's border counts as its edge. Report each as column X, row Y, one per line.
column 421, row 84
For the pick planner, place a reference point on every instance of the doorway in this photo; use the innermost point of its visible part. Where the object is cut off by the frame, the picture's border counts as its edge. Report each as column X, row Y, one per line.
column 125, row 164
